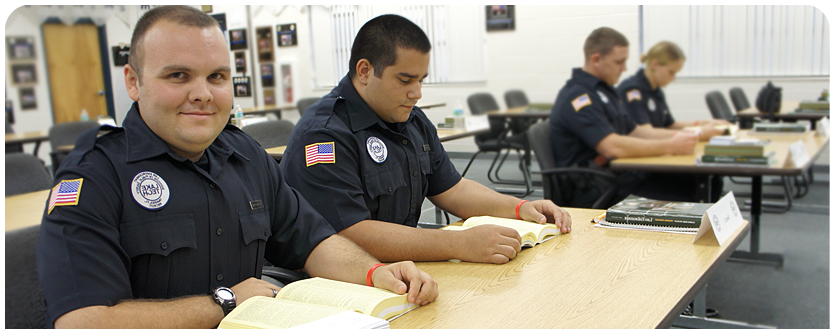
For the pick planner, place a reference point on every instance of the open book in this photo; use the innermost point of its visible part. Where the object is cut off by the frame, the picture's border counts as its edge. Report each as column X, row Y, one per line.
column 532, row 233
column 309, row 300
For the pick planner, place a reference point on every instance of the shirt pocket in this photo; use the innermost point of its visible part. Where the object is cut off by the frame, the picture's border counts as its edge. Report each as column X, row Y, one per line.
column 384, row 181
column 159, row 235
column 255, row 225
column 425, row 163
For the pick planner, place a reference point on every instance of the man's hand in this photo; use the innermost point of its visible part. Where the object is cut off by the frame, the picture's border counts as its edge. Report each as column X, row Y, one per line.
column 709, row 131
column 405, row 276
column 252, row 287
column 716, row 121
column 489, row 244
column 545, row 211
column 682, row 143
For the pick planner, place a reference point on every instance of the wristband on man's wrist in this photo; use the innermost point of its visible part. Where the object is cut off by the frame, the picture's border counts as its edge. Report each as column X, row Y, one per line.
column 371, row 271
column 517, row 209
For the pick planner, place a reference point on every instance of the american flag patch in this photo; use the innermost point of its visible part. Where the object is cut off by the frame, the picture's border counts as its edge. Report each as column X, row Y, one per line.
column 319, row 153
column 581, row 102
column 633, row 95
column 65, row 193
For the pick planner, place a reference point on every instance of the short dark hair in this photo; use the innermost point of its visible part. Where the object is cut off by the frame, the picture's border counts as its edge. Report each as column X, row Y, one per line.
column 379, row 38
column 183, row 15
column 602, row 40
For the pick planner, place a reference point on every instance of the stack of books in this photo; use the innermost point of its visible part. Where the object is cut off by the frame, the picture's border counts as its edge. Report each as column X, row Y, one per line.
column 750, row 152
column 779, row 128
column 813, row 106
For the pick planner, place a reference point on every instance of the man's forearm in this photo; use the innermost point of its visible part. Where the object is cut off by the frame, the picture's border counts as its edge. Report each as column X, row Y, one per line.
column 469, row 198
column 187, row 312
column 615, row 146
column 340, row 259
column 390, row 242
column 650, row 132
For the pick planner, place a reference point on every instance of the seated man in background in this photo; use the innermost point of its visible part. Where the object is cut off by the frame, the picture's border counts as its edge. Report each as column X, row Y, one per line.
column 366, row 158
column 644, row 98
column 150, row 224
column 590, row 126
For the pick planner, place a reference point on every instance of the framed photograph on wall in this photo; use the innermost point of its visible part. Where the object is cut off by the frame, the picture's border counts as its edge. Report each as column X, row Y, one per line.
column 500, row 17
column 287, row 84
column 269, row 97
column 267, row 75
column 237, row 39
column 21, row 47
column 120, row 55
column 264, row 40
column 24, row 74
column 27, row 98
column 286, row 34
column 242, row 86
column 221, row 20
column 240, row 62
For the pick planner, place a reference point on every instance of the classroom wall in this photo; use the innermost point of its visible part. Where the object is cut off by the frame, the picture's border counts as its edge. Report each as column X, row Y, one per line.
column 536, row 57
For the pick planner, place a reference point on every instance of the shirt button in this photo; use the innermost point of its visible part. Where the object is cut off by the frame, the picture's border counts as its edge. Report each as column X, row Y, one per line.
column 266, row 232
column 219, row 277
column 219, row 231
column 212, row 185
column 405, row 141
column 163, row 245
column 390, row 189
column 414, row 173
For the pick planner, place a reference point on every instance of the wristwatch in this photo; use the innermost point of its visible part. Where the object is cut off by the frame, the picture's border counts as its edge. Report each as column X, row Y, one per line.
column 224, row 297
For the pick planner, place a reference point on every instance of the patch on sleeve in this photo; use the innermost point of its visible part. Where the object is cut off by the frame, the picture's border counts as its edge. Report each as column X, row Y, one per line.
column 319, row 153
column 634, row 94
column 581, row 102
column 66, row 192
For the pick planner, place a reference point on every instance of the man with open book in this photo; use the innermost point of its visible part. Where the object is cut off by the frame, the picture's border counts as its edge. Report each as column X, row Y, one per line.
column 366, row 157
column 167, row 221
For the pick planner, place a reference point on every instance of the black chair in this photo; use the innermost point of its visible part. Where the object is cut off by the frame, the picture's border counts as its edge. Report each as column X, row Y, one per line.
column 305, row 103
column 552, row 187
column 270, row 133
column 64, row 134
column 497, row 140
column 12, row 148
column 739, row 99
column 280, row 276
column 25, row 306
column 719, row 107
column 515, row 98
column 25, row 173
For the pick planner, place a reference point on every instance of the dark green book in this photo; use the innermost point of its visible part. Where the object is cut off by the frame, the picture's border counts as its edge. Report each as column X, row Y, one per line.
column 814, row 105
column 768, row 159
column 779, row 128
column 739, row 150
column 644, row 212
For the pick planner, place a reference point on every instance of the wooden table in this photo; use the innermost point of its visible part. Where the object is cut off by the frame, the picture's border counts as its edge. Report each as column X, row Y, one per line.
column 589, row 278
column 686, row 164
column 28, row 137
column 520, row 112
column 25, row 209
column 263, row 110
column 431, row 105
column 787, row 109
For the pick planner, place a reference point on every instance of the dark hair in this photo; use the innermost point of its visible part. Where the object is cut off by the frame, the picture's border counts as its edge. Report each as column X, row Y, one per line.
column 379, row 38
column 602, row 40
column 183, row 15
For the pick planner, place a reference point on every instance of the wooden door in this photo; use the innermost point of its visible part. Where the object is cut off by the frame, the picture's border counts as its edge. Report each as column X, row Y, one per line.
column 75, row 73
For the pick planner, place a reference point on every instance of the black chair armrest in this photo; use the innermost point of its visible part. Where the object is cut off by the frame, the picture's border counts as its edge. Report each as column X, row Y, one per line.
column 284, row 276
column 608, row 175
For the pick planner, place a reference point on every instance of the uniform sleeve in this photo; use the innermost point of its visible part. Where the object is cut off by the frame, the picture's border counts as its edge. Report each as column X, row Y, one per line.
column 444, row 175
column 79, row 257
column 334, row 189
column 635, row 104
column 584, row 118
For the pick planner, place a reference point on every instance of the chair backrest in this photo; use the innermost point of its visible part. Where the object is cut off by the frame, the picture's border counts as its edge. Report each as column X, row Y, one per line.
column 739, row 99
column 481, row 103
column 270, row 133
column 12, row 148
column 25, row 306
column 25, row 173
column 539, row 138
column 515, row 98
column 718, row 106
column 305, row 103
column 67, row 133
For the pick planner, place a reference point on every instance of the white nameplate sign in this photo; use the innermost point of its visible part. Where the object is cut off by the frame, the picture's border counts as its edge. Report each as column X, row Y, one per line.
column 797, row 155
column 823, row 127
column 723, row 219
column 475, row 123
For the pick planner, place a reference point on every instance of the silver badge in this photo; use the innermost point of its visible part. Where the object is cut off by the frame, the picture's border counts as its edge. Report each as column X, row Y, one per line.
column 651, row 104
column 377, row 149
column 149, row 190
column 603, row 97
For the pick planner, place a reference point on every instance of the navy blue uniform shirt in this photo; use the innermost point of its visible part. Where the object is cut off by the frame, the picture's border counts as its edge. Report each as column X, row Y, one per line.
column 587, row 110
column 644, row 104
column 379, row 171
column 124, row 240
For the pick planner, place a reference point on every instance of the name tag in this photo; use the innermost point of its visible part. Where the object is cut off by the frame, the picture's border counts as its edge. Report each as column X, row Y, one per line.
column 256, row 204
column 797, row 155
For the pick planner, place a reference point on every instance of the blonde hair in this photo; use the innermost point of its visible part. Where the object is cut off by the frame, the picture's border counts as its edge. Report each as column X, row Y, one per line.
column 664, row 52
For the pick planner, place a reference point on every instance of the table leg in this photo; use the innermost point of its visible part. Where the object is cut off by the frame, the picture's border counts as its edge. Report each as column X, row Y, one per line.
column 37, row 147
column 698, row 320
column 703, row 189
column 754, row 255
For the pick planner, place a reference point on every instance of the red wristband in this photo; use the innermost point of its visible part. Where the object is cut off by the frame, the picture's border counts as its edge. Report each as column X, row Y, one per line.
column 371, row 271
column 517, row 209
column 696, row 124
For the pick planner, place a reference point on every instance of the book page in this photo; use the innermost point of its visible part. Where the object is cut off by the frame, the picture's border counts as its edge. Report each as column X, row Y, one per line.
column 266, row 312
column 521, row 226
column 346, row 320
column 339, row 294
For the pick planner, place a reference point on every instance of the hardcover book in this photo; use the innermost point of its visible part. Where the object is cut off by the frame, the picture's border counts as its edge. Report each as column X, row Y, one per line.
column 645, row 212
column 532, row 233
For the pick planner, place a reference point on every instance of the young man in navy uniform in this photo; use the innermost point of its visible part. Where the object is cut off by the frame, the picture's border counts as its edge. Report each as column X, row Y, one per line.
column 150, row 224
column 366, row 158
column 590, row 126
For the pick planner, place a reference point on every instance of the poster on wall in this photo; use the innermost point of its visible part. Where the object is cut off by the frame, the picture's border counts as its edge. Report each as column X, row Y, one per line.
column 264, row 39
column 237, row 39
column 221, row 21
column 240, row 62
column 20, row 47
column 242, row 86
column 269, row 97
column 287, row 83
column 27, row 98
column 286, row 34
column 500, row 17
column 267, row 75
column 23, row 74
